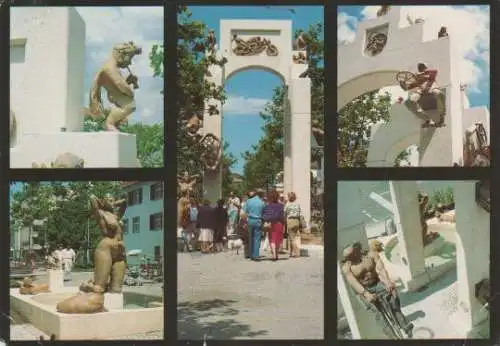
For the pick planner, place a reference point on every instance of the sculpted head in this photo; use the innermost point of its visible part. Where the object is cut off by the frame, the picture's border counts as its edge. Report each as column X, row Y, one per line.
column 124, row 52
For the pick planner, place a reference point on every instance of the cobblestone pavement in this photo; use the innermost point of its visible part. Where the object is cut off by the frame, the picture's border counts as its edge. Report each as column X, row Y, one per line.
column 227, row 297
column 21, row 330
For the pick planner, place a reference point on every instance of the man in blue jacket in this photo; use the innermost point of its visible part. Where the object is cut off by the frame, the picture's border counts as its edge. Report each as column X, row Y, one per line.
column 253, row 209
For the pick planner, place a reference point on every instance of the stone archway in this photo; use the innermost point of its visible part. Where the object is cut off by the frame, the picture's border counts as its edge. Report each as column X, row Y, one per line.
column 402, row 50
column 278, row 57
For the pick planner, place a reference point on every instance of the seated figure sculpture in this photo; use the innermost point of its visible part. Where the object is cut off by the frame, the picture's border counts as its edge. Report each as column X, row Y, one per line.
column 109, row 259
column 28, row 287
column 366, row 274
column 423, row 84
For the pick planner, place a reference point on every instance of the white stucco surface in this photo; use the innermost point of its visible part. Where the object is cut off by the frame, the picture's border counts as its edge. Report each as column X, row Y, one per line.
column 47, row 52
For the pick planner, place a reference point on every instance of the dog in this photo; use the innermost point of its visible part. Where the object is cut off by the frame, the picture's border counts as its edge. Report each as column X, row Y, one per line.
column 234, row 242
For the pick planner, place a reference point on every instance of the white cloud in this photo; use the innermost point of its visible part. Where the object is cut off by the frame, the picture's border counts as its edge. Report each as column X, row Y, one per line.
column 239, row 105
column 107, row 26
column 471, row 24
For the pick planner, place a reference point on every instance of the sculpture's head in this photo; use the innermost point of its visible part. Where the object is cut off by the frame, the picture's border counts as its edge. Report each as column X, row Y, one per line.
column 124, row 52
column 421, row 67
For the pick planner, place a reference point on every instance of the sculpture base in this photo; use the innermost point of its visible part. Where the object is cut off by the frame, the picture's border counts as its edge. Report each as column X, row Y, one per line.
column 55, row 280
column 113, row 301
column 97, row 149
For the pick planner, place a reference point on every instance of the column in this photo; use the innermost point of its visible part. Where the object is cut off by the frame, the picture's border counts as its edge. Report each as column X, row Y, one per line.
column 287, row 147
column 300, row 100
column 473, row 255
column 351, row 228
column 404, row 196
column 212, row 181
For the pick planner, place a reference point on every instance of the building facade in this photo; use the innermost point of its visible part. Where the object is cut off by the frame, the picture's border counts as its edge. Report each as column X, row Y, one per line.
column 143, row 219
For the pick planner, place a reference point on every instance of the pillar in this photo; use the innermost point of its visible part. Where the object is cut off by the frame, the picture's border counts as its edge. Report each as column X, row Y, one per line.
column 299, row 92
column 473, row 255
column 212, row 181
column 351, row 228
column 404, row 196
column 287, row 147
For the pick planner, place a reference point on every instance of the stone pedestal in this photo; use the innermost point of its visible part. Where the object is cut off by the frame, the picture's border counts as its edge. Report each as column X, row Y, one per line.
column 55, row 280
column 473, row 255
column 351, row 228
column 97, row 149
column 113, row 301
column 407, row 220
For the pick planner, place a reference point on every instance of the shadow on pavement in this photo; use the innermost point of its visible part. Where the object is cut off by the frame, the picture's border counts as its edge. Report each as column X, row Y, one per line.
column 448, row 279
column 193, row 321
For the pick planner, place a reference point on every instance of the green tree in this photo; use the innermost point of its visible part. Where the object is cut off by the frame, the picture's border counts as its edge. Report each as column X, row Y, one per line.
column 265, row 160
column 196, row 92
column 354, row 127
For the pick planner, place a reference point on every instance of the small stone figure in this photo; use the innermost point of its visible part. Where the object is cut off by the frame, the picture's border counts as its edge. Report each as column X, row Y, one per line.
column 253, row 46
column 119, row 90
column 375, row 43
column 186, row 183
column 211, row 41
column 427, row 238
column 193, row 125
column 299, row 58
column 109, row 259
column 28, row 287
column 442, row 32
column 300, row 42
column 212, row 151
column 383, row 10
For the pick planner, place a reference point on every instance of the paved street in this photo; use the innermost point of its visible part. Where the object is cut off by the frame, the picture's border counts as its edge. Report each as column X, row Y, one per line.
column 20, row 330
column 227, row 297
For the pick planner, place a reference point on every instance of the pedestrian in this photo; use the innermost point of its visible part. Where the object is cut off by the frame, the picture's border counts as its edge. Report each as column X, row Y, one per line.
column 273, row 216
column 220, row 225
column 244, row 234
column 192, row 229
column 253, row 209
column 293, row 214
column 68, row 257
column 233, row 211
column 205, row 223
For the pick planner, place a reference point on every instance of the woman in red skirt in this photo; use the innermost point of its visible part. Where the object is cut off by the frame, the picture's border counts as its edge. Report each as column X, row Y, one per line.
column 273, row 217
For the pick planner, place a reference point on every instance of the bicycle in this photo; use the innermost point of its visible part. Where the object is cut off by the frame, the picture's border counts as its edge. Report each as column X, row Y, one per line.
column 384, row 306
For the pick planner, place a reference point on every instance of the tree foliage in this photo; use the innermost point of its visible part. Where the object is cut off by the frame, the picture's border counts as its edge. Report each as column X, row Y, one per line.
column 59, row 211
column 265, row 160
column 354, row 127
column 196, row 92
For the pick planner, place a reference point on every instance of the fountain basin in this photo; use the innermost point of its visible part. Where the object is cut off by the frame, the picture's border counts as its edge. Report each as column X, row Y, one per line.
column 137, row 317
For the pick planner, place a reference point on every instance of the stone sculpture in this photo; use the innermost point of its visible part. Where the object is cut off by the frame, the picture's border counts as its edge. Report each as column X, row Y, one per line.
column 300, row 42
column 476, row 148
column 28, row 287
column 383, row 10
column 300, row 58
column 375, row 43
column 427, row 237
column 253, row 46
column 66, row 160
column 109, row 259
column 442, row 32
column 119, row 90
column 193, row 125
column 211, row 41
column 212, row 151
column 186, row 183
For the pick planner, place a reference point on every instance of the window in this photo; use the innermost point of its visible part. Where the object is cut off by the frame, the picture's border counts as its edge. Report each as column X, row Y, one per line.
column 156, row 191
column 136, row 224
column 156, row 222
column 157, row 253
column 125, row 226
column 134, row 197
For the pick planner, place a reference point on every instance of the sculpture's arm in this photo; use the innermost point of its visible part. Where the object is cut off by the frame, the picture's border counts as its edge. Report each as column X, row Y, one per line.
column 118, row 81
column 380, row 268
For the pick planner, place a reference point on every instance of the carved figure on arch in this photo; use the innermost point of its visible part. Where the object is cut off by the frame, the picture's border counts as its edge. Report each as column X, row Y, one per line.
column 120, row 90
column 375, row 43
column 211, row 42
column 193, row 125
column 300, row 42
column 420, row 87
column 300, row 58
column 383, row 10
column 476, row 148
column 253, row 46
column 186, row 183
column 212, row 151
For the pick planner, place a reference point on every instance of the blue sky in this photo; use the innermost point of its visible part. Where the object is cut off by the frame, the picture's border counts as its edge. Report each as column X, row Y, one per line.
column 106, row 26
column 470, row 23
column 250, row 90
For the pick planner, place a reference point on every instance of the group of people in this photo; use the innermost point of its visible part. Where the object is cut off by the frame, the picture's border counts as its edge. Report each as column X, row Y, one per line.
column 255, row 219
